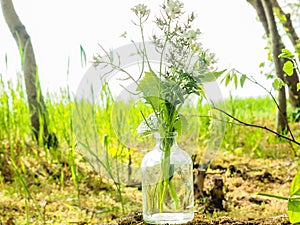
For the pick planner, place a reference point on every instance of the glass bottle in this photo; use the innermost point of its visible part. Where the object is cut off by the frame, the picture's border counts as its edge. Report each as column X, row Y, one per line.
column 167, row 183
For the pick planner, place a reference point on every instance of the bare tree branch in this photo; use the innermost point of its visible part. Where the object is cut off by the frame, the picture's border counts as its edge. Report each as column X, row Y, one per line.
column 252, row 80
column 257, row 126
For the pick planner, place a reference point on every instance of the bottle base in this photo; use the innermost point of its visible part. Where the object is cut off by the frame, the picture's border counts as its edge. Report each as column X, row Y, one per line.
column 168, row 218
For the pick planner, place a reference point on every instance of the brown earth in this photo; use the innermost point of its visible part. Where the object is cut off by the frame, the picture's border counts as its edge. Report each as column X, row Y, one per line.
column 202, row 220
column 243, row 178
column 95, row 200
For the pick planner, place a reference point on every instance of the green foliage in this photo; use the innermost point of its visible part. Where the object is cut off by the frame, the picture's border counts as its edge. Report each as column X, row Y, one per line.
column 294, row 210
column 183, row 65
column 298, row 86
column 293, row 200
column 286, row 54
column 243, row 79
column 288, row 68
column 235, row 77
column 295, row 186
column 152, row 87
column 291, row 64
column 65, row 163
column 278, row 83
column 282, row 18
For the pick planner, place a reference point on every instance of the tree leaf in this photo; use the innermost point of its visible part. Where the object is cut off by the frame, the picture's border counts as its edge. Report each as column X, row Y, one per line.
column 235, row 80
column 227, row 79
column 295, row 186
column 278, row 83
column 294, row 201
column 285, row 53
column 210, row 77
column 242, row 80
column 294, row 210
column 261, row 65
column 298, row 86
column 288, row 68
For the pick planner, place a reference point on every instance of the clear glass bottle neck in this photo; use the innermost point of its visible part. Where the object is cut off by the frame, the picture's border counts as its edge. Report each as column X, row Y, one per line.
column 165, row 141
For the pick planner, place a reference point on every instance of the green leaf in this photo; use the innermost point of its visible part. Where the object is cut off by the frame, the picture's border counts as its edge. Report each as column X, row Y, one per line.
column 295, row 186
column 294, row 210
column 170, row 86
column 236, row 82
column 242, row 80
column 285, row 53
column 201, row 91
column 261, row 65
column 151, row 87
column 288, row 68
column 235, row 79
column 209, row 77
column 227, row 79
column 180, row 123
column 123, row 35
column 298, row 86
column 278, row 83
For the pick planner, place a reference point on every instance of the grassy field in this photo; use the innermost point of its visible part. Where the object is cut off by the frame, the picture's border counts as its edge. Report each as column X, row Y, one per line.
column 84, row 179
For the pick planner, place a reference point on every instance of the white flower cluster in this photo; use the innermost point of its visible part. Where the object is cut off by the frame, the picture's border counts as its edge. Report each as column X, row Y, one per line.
column 141, row 10
column 192, row 35
column 173, row 8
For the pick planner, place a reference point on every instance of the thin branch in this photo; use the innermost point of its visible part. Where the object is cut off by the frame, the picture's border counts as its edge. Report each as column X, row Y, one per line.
column 257, row 126
column 274, row 100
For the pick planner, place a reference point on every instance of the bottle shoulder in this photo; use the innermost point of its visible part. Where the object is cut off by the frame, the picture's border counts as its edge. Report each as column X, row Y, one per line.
column 155, row 156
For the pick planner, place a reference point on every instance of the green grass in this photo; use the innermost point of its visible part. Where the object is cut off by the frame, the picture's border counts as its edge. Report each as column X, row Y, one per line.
column 104, row 135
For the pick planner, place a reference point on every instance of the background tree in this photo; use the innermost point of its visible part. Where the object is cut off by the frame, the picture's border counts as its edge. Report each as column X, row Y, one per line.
column 34, row 95
column 271, row 15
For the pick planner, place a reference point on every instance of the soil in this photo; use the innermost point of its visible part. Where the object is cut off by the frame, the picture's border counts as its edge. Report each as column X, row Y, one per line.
column 236, row 179
column 199, row 219
column 239, row 179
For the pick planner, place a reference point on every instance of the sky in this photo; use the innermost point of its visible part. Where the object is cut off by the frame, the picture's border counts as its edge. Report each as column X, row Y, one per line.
column 230, row 29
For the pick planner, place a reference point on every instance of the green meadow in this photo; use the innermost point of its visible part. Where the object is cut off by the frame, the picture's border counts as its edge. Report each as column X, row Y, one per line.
column 86, row 178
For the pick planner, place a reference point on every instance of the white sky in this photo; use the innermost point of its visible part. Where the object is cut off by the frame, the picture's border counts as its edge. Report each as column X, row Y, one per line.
column 58, row 28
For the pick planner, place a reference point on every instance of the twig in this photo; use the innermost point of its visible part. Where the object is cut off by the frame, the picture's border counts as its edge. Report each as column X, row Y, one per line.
column 257, row 126
column 252, row 79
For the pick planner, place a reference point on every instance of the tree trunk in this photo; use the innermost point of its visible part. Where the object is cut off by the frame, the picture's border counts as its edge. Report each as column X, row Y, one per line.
column 277, row 46
column 35, row 99
column 257, row 5
column 294, row 95
column 291, row 81
column 264, row 10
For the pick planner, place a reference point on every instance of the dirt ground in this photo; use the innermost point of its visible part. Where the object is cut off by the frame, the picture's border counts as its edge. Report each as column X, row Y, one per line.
column 203, row 220
column 95, row 200
column 243, row 177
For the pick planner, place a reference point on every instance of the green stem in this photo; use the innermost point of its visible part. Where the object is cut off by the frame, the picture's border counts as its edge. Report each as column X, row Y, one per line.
column 165, row 166
column 165, row 183
column 274, row 196
column 173, row 195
